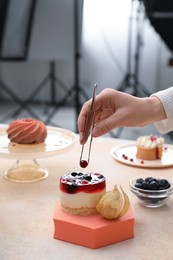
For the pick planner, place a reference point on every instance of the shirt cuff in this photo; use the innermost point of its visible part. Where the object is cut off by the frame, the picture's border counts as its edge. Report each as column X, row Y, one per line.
column 166, row 98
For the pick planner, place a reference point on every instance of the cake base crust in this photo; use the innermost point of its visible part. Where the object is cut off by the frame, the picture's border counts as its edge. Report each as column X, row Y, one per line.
column 84, row 211
column 149, row 153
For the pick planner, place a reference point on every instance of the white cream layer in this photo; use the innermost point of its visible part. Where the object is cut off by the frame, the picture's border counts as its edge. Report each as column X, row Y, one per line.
column 81, row 199
column 147, row 142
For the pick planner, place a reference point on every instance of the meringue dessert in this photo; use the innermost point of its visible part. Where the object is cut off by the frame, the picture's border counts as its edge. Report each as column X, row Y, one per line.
column 27, row 131
column 149, row 147
column 80, row 192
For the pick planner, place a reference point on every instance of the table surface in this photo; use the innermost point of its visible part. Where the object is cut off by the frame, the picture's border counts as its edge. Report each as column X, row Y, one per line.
column 26, row 215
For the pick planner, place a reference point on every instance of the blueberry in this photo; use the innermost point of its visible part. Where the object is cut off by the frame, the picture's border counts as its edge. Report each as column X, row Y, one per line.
column 88, row 178
column 148, row 179
column 153, row 185
column 144, row 185
column 138, row 185
column 154, row 179
column 166, row 185
column 73, row 174
column 161, row 182
column 139, row 180
column 71, row 188
column 80, row 174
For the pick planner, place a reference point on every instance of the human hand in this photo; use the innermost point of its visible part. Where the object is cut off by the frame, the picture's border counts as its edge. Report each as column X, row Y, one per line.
column 117, row 109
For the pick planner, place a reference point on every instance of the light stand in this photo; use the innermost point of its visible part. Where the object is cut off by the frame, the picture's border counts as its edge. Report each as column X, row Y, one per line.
column 131, row 82
column 131, row 79
column 69, row 94
column 76, row 89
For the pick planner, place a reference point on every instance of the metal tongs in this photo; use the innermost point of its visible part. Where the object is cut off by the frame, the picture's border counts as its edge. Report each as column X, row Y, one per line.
column 84, row 163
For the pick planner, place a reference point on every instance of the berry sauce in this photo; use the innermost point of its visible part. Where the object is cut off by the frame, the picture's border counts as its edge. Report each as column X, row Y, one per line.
column 157, row 153
column 82, row 182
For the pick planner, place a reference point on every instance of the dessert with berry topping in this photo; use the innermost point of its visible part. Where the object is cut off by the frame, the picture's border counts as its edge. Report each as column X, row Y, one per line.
column 149, row 147
column 27, row 131
column 80, row 192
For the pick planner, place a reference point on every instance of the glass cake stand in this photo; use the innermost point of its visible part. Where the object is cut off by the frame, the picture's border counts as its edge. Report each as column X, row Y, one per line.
column 26, row 168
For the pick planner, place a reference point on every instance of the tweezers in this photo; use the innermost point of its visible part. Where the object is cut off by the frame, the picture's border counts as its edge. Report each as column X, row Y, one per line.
column 92, row 109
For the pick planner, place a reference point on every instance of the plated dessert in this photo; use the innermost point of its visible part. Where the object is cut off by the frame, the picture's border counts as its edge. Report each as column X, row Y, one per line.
column 90, row 216
column 80, row 192
column 149, row 147
column 83, row 193
column 27, row 131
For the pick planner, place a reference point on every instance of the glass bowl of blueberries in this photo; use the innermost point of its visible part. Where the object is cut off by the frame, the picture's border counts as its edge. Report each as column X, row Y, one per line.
column 151, row 192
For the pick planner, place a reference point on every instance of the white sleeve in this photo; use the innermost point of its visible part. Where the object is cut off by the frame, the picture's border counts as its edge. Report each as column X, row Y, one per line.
column 166, row 97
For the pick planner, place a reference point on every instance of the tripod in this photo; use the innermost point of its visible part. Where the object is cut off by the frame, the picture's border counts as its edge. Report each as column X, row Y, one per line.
column 131, row 82
column 74, row 92
column 131, row 79
column 69, row 94
column 76, row 89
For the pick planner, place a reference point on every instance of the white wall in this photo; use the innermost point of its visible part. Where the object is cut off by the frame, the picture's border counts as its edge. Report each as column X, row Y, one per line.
column 104, row 52
column 105, row 41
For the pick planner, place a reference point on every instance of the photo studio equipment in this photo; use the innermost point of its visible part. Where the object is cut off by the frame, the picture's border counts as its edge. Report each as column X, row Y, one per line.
column 76, row 91
column 160, row 14
column 14, row 45
column 131, row 82
column 46, row 31
column 65, row 42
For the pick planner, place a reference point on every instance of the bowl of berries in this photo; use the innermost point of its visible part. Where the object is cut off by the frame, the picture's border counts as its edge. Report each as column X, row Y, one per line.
column 151, row 192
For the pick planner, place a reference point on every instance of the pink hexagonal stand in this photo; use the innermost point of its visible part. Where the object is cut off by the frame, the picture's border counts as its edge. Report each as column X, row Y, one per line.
column 92, row 231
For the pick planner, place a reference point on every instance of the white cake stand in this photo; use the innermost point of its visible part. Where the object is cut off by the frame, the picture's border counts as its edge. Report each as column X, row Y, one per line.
column 26, row 168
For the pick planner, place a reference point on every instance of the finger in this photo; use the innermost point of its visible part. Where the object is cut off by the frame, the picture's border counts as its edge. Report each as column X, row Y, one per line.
column 82, row 116
column 84, row 122
column 86, row 108
column 87, row 129
column 107, row 124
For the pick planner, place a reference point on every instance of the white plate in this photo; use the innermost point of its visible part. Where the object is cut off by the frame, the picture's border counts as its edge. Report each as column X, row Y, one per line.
column 58, row 141
column 129, row 151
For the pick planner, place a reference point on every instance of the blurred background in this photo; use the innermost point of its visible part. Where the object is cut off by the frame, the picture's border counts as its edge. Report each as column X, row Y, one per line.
column 53, row 52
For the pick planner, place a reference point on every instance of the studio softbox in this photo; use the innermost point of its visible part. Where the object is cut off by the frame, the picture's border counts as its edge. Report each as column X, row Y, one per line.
column 160, row 14
column 16, row 19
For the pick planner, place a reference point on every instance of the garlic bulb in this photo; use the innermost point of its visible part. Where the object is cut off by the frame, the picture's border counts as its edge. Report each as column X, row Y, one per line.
column 114, row 204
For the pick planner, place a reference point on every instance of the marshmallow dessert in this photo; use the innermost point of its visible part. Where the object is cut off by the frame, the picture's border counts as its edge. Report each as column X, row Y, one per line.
column 149, row 147
column 80, row 192
column 27, row 131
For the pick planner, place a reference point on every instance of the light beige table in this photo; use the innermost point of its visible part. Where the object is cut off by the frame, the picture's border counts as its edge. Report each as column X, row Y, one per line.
column 26, row 212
